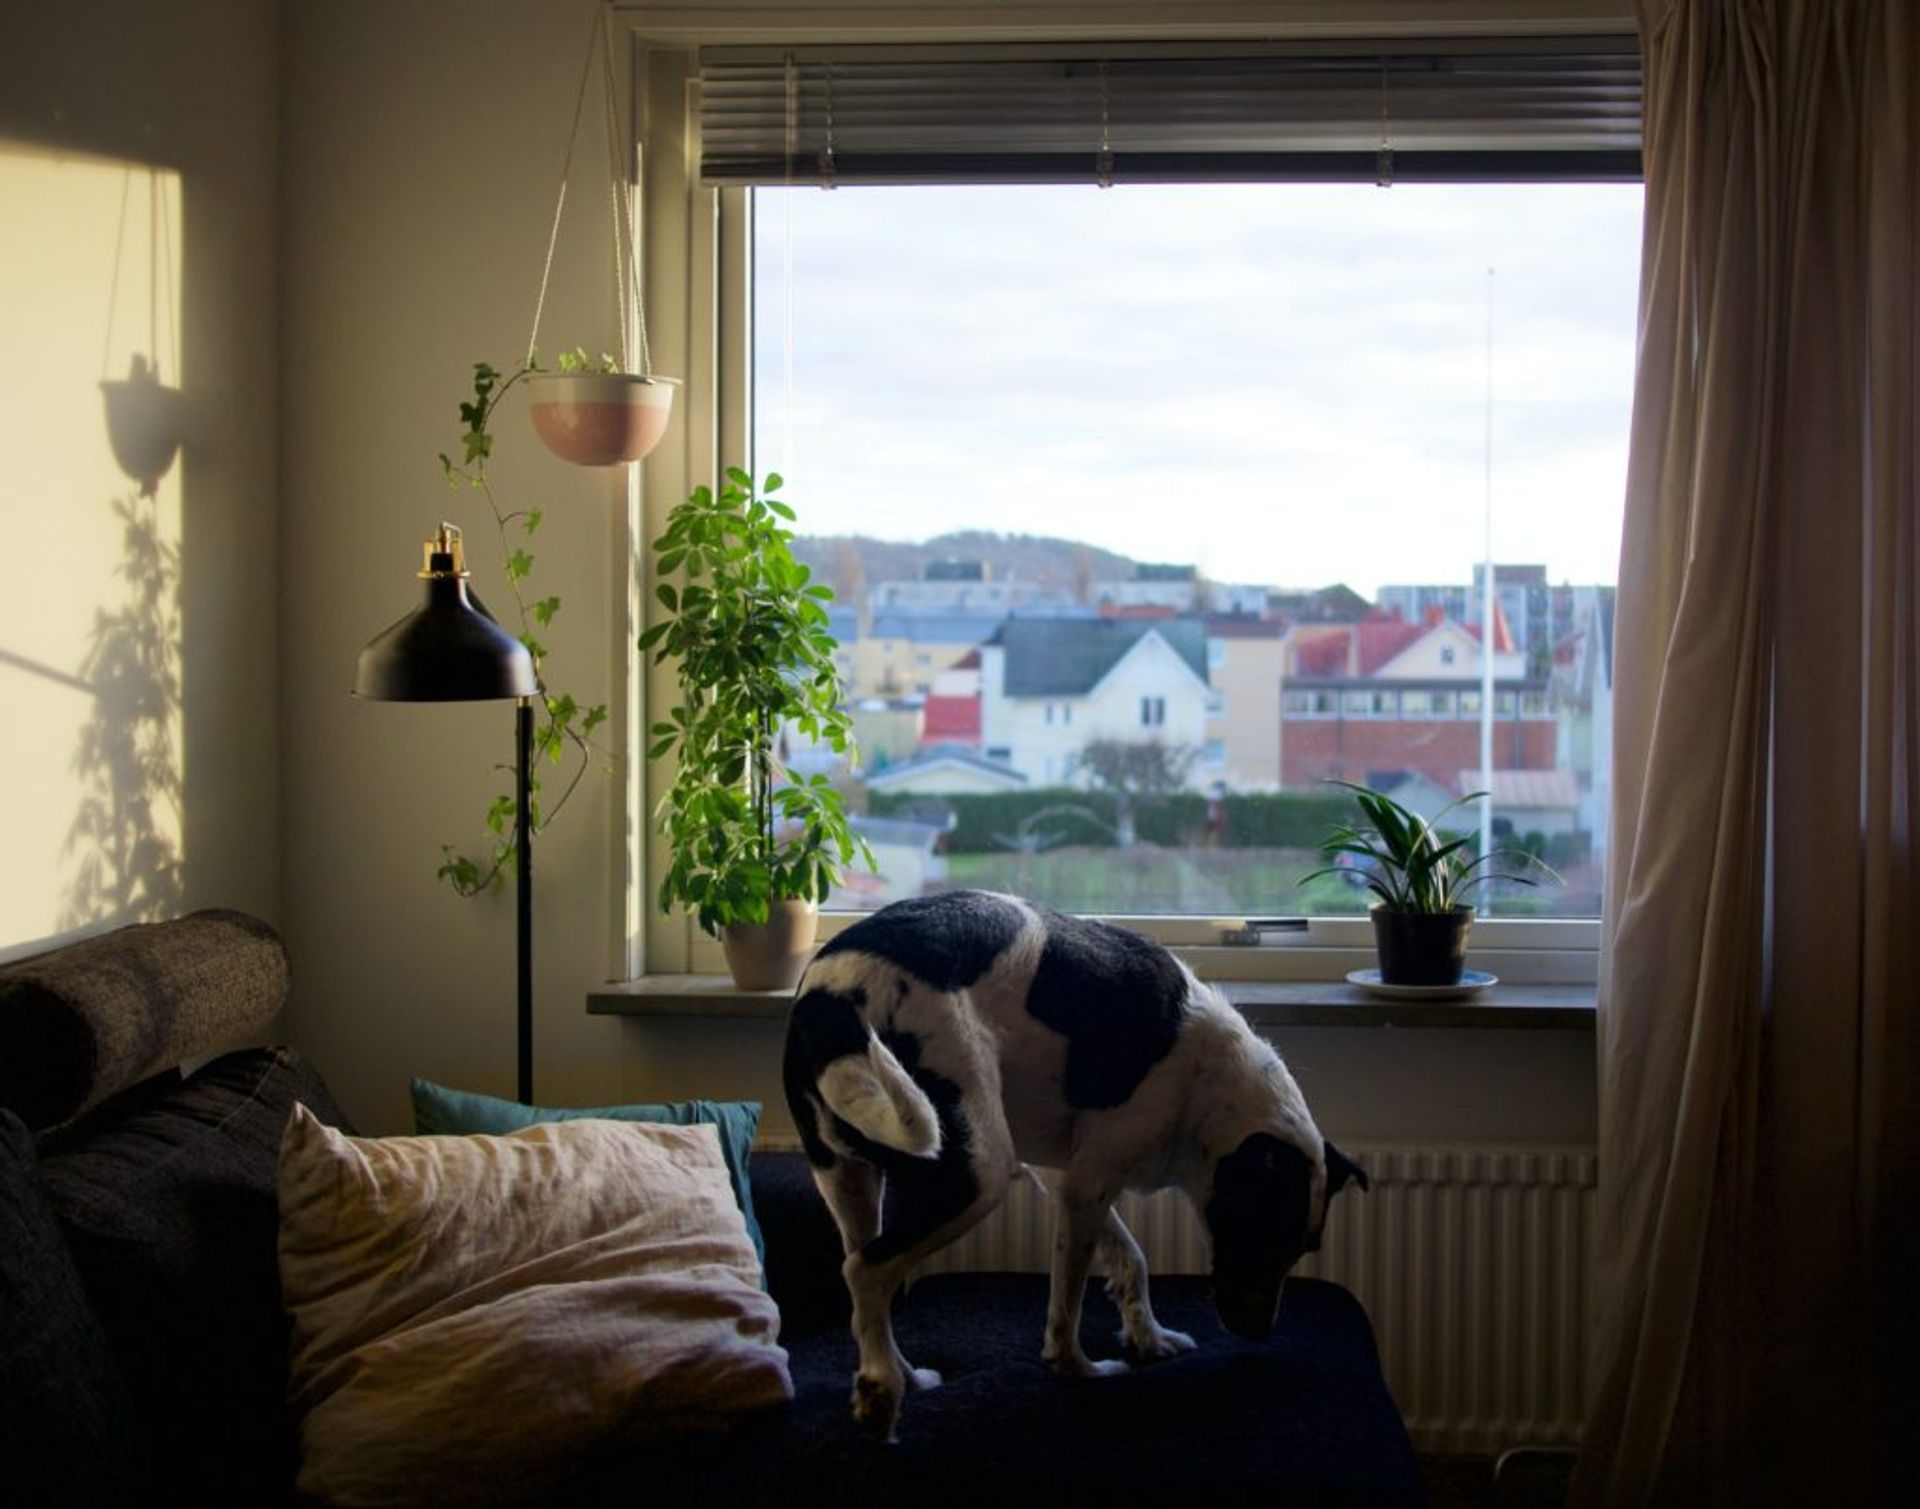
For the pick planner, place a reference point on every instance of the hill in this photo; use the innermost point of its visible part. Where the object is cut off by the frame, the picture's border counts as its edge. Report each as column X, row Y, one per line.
column 851, row 563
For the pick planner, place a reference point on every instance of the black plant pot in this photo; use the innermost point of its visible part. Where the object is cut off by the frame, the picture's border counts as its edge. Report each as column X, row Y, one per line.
column 1421, row 948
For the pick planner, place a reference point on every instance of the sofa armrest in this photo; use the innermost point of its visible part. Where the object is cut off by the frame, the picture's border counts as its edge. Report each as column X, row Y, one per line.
column 80, row 1023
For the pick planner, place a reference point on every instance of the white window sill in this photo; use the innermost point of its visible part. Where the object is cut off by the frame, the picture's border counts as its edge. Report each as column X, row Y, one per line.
column 1298, row 1003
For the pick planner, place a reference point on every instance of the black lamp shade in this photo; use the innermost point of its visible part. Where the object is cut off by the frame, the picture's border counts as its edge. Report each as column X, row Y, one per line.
column 448, row 649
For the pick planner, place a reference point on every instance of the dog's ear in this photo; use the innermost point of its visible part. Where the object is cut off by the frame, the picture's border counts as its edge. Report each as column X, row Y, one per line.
column 1340, row 1170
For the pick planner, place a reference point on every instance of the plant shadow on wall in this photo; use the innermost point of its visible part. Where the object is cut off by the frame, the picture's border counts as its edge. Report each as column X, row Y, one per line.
column 125, row 840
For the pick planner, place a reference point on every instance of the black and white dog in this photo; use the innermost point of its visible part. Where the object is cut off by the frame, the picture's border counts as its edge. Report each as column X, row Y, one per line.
column 938, row 1046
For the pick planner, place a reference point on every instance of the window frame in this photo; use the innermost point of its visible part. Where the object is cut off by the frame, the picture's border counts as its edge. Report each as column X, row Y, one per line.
column 697, row 263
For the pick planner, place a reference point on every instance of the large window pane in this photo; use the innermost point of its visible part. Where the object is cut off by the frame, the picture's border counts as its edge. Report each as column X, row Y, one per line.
column 1152, row 510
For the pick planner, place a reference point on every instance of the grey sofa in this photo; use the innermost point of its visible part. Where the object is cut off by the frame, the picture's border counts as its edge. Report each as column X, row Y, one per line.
column 143, row 1358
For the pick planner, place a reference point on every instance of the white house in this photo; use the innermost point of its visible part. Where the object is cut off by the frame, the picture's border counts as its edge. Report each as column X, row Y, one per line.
column 1446, row 649
column 1049, row 687
column 944, row 770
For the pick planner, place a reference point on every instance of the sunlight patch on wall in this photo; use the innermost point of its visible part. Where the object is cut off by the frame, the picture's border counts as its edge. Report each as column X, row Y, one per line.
column 90, row 308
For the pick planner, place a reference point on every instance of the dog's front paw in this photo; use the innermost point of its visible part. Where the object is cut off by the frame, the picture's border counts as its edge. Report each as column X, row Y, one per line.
column 1071, row 1362
column 1153, row 1342
column 876, row 1404
column 920, row 1380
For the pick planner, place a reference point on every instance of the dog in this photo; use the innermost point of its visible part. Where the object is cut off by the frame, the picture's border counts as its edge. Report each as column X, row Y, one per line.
column 946, row 1045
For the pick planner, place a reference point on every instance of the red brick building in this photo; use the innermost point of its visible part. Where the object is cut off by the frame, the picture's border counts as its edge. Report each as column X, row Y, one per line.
column 1366, row 702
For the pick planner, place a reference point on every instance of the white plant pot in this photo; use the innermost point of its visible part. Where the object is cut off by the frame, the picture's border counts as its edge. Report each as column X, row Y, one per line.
column 772, row 955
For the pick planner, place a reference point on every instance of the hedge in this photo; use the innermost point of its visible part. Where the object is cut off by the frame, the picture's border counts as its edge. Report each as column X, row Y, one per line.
column 986, row 822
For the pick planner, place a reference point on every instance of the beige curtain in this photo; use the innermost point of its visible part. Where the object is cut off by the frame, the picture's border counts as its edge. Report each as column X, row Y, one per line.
column 1759, row 984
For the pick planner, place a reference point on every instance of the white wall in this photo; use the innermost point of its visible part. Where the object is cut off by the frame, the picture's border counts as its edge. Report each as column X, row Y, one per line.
column 97, row 100
column 423, row 142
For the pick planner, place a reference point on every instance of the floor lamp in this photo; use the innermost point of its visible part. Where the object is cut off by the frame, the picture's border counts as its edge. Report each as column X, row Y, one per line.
column 450, row 649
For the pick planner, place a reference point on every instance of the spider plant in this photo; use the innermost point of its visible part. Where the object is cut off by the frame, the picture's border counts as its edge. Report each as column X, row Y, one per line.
column 1411, row 865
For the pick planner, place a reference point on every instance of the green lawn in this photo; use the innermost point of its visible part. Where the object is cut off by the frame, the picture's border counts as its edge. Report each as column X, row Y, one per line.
column 1226, row 882
column 1147, row 879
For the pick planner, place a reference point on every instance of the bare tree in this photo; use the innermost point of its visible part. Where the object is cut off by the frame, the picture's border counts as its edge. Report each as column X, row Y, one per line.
column 1132, row 769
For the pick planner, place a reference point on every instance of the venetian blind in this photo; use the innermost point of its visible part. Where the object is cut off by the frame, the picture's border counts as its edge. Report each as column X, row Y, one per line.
column 1456, row 110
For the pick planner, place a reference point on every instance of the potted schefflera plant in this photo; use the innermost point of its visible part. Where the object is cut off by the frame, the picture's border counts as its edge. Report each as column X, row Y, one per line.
column 1422, row 919
column 754, row 847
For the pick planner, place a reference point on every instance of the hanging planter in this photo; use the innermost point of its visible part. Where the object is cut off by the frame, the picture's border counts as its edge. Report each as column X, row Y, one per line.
column 599, row 418
column 614, row 412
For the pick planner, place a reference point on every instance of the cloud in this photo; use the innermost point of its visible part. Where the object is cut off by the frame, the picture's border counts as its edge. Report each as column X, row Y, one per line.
column 1282, row 383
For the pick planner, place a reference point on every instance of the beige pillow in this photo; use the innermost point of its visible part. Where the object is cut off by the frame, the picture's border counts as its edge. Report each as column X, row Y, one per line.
column 472, row 1314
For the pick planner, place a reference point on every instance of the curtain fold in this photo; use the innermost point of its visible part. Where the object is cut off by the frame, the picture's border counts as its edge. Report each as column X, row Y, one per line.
column 1759, row 984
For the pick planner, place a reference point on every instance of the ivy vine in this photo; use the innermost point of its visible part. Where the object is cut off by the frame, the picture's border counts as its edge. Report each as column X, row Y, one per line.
column 562, row 725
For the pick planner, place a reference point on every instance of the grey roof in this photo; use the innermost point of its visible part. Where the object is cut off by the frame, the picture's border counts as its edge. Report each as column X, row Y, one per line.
column 1336, row 604
column 1053, row 657
column 936, row 628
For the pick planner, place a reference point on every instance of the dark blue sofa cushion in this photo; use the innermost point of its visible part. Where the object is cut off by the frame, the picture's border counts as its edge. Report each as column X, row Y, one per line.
column 1303, row 1418
column 168, row 1198
column 68, row 1432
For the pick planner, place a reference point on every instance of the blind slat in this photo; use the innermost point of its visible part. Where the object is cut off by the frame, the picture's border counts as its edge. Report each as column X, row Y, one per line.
column 1547, row 108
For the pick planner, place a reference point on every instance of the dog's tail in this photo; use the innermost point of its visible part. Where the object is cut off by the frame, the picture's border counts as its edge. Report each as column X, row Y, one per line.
column 873, row 1093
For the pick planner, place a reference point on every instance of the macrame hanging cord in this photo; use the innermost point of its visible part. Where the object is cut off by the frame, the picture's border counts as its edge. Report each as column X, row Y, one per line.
column 628, row 297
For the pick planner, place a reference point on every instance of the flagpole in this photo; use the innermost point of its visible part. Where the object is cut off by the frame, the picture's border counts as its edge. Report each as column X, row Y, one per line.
column 1487, row 614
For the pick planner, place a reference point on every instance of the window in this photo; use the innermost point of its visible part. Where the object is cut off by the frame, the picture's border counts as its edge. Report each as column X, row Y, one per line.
column 1092, row 296
column 1320, row 446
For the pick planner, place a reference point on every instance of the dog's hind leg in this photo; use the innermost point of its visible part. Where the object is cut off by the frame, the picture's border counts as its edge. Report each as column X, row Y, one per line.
column 1126, row 1267
column 933, row 1206
column 852, row 1191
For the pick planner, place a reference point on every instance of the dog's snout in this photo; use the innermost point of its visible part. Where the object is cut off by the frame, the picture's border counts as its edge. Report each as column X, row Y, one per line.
column 1249, row 1313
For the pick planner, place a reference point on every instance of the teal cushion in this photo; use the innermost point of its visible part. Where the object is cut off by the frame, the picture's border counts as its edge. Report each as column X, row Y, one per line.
column 440, row 1112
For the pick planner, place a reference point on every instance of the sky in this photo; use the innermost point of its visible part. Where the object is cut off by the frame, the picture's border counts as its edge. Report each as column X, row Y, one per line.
column 1280, row 384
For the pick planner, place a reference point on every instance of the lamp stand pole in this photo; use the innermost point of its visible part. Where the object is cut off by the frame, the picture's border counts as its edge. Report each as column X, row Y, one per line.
column 523, row 887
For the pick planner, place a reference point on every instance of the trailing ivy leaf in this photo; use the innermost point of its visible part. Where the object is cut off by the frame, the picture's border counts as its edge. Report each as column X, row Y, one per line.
column 544, row 610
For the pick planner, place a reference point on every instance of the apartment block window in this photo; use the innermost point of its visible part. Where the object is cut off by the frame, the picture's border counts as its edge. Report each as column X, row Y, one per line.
column 1264, row 576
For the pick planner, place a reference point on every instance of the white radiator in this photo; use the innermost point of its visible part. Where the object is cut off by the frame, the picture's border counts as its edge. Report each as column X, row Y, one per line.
column 1473, row 1264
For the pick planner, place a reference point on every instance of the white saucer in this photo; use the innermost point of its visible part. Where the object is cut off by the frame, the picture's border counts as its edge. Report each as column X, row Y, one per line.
column 1472, row 982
